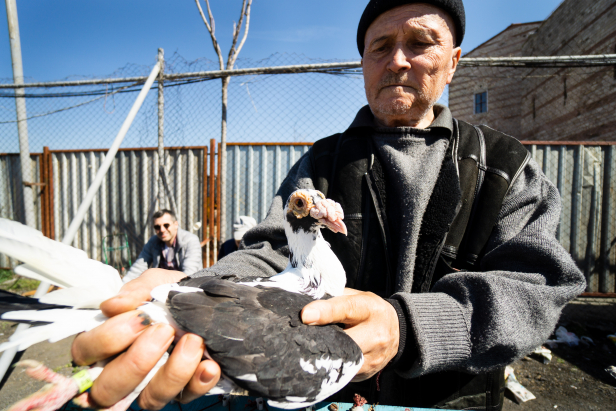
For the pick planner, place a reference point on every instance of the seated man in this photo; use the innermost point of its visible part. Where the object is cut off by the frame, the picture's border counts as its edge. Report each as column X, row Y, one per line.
column 170, row 248
column 240, row 226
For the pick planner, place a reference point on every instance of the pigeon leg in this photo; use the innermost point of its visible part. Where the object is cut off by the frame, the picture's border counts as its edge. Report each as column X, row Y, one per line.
column 53, row 395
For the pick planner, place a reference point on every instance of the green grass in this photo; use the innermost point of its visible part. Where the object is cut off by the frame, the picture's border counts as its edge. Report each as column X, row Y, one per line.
column 5, row 275
column 15, row 283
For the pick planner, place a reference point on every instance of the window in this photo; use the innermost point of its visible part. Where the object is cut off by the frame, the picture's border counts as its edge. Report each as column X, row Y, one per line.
column 481, row 102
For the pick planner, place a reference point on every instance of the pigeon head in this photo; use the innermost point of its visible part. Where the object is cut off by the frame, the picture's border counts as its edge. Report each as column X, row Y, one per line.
column 309, row 211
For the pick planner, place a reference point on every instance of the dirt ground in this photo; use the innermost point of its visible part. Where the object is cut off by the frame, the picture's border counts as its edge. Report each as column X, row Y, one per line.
column 575, row 379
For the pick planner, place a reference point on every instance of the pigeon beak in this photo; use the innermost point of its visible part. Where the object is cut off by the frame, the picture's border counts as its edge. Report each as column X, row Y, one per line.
column 337, row 226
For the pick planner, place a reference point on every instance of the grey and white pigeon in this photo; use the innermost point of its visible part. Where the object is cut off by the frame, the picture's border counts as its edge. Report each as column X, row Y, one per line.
column 251, row 326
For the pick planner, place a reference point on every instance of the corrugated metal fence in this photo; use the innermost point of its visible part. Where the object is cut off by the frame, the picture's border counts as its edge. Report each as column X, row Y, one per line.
column 584, row 175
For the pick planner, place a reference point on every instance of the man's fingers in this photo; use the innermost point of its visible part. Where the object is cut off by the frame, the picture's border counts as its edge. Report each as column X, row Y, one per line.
column 346, row 309
column 175, row 374
column 204, row 379
column 125, row 372
column 136, row 292
column 110, row 338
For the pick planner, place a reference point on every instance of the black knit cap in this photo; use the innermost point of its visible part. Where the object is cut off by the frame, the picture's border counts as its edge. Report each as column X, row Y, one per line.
column 375, row 8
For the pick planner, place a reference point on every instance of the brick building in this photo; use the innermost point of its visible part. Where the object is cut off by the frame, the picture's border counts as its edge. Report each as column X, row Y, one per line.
column 565, row 103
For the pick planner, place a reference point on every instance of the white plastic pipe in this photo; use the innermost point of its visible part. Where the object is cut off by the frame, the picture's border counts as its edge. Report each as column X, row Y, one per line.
column 69, row 235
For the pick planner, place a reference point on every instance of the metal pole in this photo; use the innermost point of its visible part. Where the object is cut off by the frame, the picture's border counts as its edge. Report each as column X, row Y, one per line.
column 161, row 131
column 20, row 108
column 69, row 235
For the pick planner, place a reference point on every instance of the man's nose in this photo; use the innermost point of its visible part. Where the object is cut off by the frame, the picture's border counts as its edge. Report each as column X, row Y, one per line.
column 399, row 61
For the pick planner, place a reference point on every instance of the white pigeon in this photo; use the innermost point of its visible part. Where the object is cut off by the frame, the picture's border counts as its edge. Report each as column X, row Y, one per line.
column 251, row 326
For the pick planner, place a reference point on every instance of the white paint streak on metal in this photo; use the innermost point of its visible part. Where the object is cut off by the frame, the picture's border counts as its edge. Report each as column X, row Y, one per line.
column 135, row 206
column 277, row 170
column 5, row 200
column 250, row 172
column 560, row 186
column 94, row 214
column 144, row 199
column 190, row 190
column 104, row 214
column 65, row 191
column 576, row 209
column 227, row 231
column 83, row 188
column 264, row 183
column 56, row 196
column 115, row 196
column 124, row 198
column 74, row 201
column 178, row 184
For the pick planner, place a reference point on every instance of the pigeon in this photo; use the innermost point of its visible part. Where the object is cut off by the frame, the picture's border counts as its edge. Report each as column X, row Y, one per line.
column 251, row 326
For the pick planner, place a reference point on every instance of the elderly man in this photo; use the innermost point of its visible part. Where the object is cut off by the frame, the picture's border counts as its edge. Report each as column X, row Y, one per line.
column 170, row 248
column 451, row 259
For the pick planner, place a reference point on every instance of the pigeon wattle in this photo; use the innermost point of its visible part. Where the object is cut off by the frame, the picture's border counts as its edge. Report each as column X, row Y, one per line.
column 251, row 326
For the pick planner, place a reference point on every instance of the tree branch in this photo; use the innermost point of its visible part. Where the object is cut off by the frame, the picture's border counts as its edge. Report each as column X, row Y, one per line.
column 210, row 29
column 246, row 27
column 236, row 33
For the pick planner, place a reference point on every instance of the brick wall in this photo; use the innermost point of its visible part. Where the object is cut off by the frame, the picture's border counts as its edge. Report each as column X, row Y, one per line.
column 504, row 94
column 577, row 104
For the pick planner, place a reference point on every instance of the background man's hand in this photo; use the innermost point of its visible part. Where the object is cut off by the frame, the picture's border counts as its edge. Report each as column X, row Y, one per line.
column 130, row 331
column 371, row 321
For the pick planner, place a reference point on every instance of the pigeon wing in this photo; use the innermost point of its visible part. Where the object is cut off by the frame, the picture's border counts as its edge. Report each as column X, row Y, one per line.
column 256, row 336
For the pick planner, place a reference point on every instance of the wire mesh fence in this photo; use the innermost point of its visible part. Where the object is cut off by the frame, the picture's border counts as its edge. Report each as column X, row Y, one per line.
column 70, row 126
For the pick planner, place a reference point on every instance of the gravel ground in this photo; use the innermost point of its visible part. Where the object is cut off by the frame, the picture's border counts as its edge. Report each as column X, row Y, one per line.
column 56, row 356
column 575, row 379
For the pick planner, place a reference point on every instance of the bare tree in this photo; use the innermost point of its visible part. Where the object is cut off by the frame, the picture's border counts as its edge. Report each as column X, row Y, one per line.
column 233, row 53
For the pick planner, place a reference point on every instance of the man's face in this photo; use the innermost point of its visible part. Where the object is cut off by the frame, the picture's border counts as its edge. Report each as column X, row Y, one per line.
column 409, row 58
column 165, row 228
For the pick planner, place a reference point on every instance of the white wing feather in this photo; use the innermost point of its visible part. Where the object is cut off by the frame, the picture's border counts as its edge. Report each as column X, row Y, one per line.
column 59, row 264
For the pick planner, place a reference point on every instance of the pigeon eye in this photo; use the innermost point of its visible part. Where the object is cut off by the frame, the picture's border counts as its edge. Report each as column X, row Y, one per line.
column 299, row 203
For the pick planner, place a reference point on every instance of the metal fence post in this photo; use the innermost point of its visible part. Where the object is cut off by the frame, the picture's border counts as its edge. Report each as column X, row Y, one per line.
column 20, row 108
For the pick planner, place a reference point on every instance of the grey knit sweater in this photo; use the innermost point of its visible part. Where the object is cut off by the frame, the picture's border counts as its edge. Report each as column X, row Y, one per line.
column 470, row 321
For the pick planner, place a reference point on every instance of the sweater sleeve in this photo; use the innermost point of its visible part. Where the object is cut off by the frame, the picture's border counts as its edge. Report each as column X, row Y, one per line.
column 264, row 251
column 478, row 321
column 143, row 262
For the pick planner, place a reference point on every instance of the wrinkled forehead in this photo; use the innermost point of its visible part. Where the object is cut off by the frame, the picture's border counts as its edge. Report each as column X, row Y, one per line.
column 408, row 19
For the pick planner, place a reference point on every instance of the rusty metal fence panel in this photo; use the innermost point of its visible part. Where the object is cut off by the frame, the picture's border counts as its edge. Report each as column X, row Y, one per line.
column 254, row 173
column 583, row 174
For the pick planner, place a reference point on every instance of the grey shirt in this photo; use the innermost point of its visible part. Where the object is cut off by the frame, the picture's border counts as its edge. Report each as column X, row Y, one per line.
column 470, row 321
column 188, row 257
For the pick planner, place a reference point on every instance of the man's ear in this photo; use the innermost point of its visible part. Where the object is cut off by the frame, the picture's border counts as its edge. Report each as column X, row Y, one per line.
column 456, row 54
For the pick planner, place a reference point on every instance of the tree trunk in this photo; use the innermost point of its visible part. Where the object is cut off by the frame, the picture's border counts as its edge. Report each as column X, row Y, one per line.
column 223, row 157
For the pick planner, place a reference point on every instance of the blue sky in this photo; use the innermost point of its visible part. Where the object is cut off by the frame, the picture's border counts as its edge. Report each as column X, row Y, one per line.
column 95, row 39
column 62, row 38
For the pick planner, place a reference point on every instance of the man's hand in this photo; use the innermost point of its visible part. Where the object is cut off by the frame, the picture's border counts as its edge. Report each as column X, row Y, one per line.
column 371, row 321
column 129, row 332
